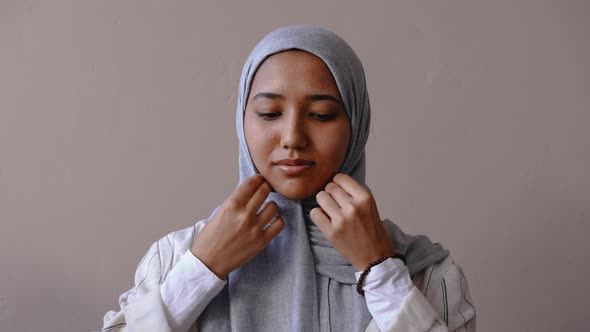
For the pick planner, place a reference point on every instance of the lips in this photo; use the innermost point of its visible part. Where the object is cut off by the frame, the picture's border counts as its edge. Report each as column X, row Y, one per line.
column 294, row 167
column 294, row 162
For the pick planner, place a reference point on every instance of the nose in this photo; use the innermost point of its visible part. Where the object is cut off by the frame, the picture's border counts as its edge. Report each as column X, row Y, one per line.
column 293, row 133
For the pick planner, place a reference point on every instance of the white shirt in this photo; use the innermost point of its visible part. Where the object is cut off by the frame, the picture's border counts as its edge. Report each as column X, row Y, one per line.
column 172, row 288
column 190, row 286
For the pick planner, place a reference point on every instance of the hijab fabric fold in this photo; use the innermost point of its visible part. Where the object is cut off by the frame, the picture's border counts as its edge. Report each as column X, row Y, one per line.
column 299, row 282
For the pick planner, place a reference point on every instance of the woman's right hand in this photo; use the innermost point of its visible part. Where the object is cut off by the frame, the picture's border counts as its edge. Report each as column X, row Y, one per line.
column 236, row 233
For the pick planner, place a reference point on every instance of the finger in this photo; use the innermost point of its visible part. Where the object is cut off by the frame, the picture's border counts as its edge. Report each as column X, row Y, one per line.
column 338, row 194
column 258, row 197
column 269, row 211
column 246, row 190
column 319, row 217
column 328, row 204
column 273, row 229
column 350, row 185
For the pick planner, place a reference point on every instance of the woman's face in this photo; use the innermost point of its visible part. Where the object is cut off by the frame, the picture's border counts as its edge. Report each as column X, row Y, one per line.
column 294, row 111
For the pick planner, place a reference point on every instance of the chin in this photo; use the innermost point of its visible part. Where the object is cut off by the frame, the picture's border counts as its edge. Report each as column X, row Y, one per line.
column 294, row 194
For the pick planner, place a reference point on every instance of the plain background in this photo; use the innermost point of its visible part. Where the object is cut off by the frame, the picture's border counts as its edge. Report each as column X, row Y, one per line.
column 117, row 126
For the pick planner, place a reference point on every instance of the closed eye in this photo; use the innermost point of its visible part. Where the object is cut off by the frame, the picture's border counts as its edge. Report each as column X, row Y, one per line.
column 274, row 115
column 323, row 117
column 267, row 116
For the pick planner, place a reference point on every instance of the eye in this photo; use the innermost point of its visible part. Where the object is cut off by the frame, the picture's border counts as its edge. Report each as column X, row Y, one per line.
column 323, row 117
column 268, row 116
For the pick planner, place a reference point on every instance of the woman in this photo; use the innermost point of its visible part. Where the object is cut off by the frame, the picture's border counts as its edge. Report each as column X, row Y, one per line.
column 299, row 245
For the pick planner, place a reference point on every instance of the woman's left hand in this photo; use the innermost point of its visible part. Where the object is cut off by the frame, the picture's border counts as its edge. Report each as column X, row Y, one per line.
column 349, row 219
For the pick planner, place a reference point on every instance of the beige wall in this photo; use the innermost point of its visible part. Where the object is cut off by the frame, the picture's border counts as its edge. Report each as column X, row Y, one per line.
column 117, row 127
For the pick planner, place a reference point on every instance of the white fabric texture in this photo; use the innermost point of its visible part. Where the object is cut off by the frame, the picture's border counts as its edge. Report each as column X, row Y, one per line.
column 386, row 287
column 439, row 300
column 190, row 286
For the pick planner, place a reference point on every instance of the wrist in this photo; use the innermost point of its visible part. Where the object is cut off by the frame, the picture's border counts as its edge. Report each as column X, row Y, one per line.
column 365, row 272
column 368, row 259
column 219, row 271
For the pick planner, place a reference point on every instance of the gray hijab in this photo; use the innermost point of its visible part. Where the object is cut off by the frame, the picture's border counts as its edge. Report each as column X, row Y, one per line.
column 299, row 282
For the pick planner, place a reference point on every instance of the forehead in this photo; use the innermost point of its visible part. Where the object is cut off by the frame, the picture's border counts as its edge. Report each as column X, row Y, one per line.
column 294, row 69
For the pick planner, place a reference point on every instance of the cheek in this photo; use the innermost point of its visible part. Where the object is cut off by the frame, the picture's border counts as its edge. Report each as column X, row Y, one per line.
column 250, row 132
column 338, row 155
column 258, row 140
column 335, row 144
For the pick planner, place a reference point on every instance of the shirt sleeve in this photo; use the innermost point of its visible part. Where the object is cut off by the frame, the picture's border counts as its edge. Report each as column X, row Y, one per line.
column 170, row 305
column 142, row 308
column 187, row 290
column 442, row 304
column 386, row 287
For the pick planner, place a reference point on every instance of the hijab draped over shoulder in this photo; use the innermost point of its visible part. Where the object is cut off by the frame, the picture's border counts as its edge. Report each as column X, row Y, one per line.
column 299, row 282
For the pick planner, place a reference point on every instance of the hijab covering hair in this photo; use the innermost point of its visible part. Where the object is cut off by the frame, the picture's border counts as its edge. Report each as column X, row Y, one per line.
column 299, row 282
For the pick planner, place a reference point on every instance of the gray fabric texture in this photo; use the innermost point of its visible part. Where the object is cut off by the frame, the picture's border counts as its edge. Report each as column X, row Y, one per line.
column 299, row 282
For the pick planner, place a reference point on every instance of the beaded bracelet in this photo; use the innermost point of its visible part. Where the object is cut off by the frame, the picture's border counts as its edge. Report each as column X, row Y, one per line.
column 359, row 285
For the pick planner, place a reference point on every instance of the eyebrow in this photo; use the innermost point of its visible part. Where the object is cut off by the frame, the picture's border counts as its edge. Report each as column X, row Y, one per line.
column 317, row 97
column 269, row 95
column 323, row 97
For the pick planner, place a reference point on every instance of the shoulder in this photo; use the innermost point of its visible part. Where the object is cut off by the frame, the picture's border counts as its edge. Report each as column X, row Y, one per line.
column 175, row 244
column 180, row 237
column 434, row 274
column 158, row 261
